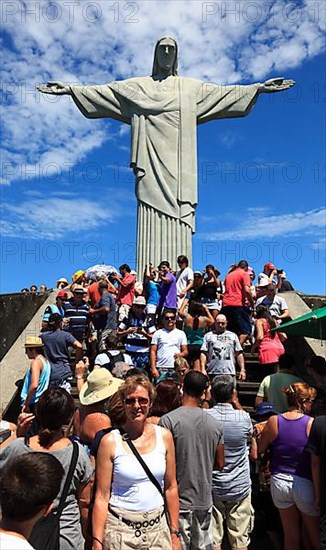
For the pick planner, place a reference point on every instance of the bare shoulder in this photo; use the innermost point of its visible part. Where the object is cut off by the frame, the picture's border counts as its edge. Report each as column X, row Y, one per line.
column 272, row 421
column 107, row 444
column 272, row 424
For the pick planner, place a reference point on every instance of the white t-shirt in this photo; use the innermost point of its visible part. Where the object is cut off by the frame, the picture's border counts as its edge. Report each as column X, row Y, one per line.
column 13, row 542
column 276, row 306
column 263, row 279
column 4, row 425
column 102, row 359
column 221, row 352
column 183, row 278
column 168, row 343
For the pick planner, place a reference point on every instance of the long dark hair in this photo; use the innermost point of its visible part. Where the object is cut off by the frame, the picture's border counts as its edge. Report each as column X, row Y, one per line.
column 196, row 310
column 54, row 409
column 263, row 312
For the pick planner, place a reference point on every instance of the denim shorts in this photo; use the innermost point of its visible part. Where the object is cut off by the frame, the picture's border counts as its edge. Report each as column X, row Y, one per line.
column 288, row 490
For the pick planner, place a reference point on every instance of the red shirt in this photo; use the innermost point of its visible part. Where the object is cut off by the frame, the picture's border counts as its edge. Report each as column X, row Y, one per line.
column 93, row 293
column 235, row 282
column 126, row 291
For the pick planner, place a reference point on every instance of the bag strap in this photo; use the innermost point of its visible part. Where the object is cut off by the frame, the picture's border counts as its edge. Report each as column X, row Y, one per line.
column 151, row 476
column 72, row 467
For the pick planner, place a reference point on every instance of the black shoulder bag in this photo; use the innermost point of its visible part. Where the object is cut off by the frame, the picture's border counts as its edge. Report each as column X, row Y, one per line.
column 46, row 533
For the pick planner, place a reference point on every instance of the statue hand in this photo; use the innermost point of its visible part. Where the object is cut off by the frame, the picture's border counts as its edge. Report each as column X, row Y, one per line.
column 276, row 85
column 56, row 88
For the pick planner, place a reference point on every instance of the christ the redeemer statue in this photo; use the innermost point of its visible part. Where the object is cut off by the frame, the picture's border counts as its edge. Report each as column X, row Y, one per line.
column 163, row 110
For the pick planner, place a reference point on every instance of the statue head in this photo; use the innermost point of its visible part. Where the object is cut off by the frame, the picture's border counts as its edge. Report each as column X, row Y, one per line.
column 165, row 57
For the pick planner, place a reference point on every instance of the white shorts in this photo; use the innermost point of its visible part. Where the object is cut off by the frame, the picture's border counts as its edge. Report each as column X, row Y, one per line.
column 151, row 309
column 123, row 312
column 288, row 490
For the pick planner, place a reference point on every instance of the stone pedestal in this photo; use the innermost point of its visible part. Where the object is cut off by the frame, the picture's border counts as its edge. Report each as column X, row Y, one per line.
column 160, row 237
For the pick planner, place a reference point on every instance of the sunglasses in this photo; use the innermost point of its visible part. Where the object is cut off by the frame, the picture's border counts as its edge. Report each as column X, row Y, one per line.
column 142, row 401
column 169, row 318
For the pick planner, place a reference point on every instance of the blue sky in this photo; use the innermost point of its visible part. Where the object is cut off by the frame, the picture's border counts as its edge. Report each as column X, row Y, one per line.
column 67, row 192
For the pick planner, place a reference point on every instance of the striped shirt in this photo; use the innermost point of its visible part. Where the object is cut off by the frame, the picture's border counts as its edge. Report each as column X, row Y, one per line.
column 137, row 342
column 233, row 482
column 78, row 318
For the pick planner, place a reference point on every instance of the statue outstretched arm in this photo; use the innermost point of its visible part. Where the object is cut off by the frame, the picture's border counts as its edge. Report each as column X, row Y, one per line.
column 55, row 88
column 273, row 85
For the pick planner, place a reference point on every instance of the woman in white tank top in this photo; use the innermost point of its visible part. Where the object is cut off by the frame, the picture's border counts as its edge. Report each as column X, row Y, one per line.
column 129, row 509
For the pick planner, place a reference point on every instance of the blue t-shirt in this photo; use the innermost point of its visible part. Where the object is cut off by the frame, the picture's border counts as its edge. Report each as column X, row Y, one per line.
column 56, row 349
column 108, row 320
column 52, row 308
column 153, row 293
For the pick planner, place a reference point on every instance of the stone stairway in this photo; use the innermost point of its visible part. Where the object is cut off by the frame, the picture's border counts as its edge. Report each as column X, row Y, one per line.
column 247, row 390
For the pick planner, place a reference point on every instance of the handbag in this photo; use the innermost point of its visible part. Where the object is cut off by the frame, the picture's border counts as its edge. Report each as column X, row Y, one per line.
column 46, row 532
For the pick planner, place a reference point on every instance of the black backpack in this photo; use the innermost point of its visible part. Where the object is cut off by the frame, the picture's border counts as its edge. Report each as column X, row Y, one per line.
column 113, row 360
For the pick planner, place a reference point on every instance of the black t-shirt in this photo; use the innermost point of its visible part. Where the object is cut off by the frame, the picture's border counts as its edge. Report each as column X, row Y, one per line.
column 317, row 446
column 286, row 286
column 208, row 291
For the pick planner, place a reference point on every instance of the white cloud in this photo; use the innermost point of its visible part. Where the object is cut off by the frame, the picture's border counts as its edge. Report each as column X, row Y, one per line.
column 100, row 41
column 259, row 223
column 53, row 218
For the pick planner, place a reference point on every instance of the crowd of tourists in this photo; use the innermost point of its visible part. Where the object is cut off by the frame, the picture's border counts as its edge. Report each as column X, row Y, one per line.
column 160, row 453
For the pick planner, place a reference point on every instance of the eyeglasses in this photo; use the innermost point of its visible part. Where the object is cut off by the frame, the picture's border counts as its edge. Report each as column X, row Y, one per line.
column 169, row 318
column 142, row 401
column 221, row 324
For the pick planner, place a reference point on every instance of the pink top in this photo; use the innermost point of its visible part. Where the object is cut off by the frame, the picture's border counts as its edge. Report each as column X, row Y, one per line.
column 270, row 348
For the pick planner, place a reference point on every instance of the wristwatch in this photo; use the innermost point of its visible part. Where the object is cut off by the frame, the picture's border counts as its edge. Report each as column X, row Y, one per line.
column 176, row 533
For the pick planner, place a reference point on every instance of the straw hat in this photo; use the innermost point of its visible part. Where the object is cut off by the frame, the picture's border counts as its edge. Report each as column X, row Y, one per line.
column 100, row 385
column 78, row 289
column 139, row 301
column 33, row 342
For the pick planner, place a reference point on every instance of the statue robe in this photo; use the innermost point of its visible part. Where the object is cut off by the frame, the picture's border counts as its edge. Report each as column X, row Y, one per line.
column 163, row 115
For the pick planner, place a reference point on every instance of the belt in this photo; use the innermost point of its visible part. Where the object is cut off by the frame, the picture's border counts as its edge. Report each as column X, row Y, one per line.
column 138, row 525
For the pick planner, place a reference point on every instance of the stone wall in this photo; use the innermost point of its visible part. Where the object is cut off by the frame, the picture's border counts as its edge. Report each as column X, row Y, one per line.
column 313, row 301
column 16, row 311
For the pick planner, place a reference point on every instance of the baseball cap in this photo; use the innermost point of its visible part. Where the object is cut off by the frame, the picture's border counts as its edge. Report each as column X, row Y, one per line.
column 263, row 409
column 269, row 265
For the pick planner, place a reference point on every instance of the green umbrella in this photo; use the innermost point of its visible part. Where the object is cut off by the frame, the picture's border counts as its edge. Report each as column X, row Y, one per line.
column 311, row 325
